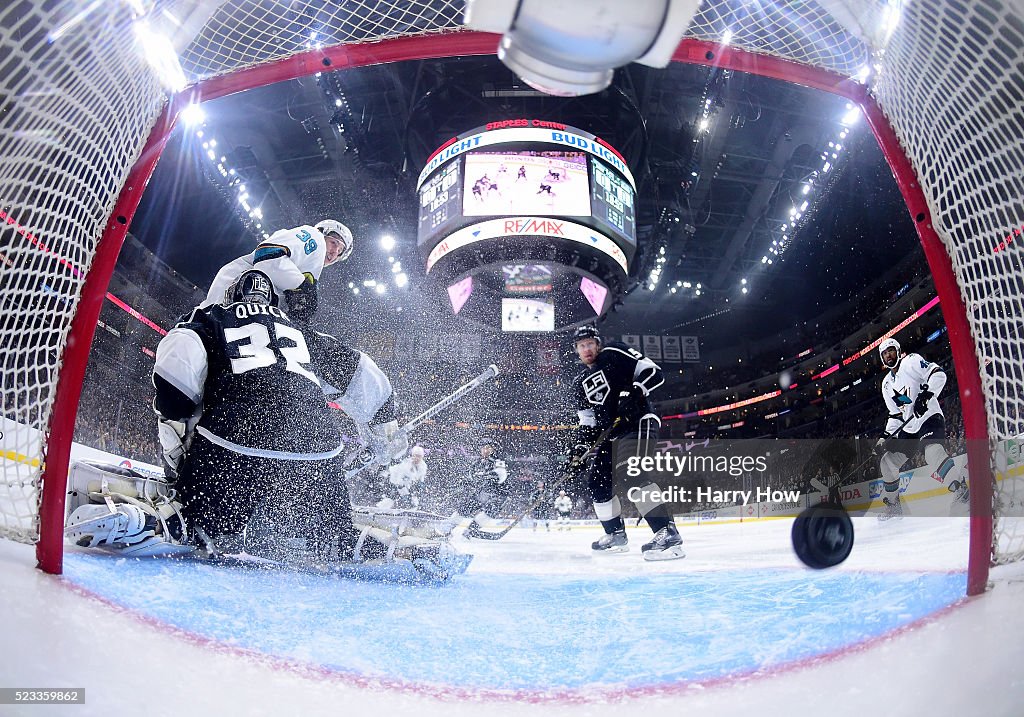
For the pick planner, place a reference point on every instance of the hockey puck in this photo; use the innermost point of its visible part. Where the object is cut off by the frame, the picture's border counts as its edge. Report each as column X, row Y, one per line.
column 823, row 535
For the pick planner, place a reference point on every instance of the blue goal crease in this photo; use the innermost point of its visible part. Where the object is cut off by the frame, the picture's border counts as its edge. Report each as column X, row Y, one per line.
column 528, row 632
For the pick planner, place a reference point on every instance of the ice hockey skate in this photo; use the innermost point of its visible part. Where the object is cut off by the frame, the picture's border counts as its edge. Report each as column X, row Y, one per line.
column 665, row 545
column 608, row 543
column 961, row 493
column 893, row 509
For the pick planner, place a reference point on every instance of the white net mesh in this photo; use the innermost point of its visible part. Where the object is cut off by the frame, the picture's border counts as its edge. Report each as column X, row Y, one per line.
column 952, row 85
column 76, row 109
column 227, row 43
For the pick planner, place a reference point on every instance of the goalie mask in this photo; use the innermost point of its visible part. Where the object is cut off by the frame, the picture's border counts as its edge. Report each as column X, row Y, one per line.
column 886, row 345
column 251, row 287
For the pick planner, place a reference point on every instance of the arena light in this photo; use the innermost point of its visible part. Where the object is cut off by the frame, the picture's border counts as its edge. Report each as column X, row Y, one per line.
column 160, row 55
column 192, row 116
column 387, row 242
column 572, row 47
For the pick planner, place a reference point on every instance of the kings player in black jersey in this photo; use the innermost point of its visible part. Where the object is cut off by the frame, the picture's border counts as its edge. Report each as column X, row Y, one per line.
column 244, row 387
column 615, row 383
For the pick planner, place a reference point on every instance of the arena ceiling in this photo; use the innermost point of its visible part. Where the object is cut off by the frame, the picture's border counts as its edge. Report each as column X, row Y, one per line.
column 721, row 159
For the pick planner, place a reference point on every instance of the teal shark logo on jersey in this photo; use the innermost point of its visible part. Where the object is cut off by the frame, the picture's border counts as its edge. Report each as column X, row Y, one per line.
column 900, row 397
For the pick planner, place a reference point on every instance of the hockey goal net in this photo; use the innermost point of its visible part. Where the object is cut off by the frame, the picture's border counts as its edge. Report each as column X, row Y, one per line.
column 84, row 113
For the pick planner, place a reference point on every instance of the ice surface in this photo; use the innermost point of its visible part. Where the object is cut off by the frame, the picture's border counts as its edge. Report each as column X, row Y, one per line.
column 735, row 627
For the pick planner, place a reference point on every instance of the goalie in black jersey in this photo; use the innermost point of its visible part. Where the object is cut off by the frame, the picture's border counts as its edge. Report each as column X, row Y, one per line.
column 245, row 387
column 614, row 384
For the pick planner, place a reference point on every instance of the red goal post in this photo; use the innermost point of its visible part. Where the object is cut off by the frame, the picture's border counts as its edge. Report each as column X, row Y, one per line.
column 83, row 119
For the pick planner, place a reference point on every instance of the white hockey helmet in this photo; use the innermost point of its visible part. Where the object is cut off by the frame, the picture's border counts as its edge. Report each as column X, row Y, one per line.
column 416, row 451
column 342, row 232
column 890, row 343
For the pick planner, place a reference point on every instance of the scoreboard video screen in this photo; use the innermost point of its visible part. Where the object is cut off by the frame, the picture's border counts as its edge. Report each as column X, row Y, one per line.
column 440, row 201
column 529, row 224
column 614, row 201
column 526, row 183
column 531, row 170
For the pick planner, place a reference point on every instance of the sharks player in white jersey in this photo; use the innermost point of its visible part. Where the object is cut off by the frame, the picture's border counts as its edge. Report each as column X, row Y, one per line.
column 294, row 260
column 563, row 504
column 910, row 389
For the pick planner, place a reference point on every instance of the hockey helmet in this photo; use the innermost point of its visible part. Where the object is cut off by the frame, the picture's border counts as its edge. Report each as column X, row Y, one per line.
column 251, row 287
column 343, row 233
column 890, row 343
column 416, row 451
column 586, row 332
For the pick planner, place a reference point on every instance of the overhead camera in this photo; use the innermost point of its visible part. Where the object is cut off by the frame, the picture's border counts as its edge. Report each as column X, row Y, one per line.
column 572, row 47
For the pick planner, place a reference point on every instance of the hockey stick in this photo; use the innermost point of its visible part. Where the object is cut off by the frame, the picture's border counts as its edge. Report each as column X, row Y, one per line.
column 873, row 456
column 474, row 530
column 365, row 457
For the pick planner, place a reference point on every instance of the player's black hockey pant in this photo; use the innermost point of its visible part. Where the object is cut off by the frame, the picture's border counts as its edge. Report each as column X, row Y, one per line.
column 220, row 489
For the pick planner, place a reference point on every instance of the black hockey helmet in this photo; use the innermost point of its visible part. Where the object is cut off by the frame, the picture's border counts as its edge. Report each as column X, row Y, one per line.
column 251, row 287
column 585, row 332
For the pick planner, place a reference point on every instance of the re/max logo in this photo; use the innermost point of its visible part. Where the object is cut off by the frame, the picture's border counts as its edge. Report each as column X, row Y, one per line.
column 1009, row 239
column 534, row 226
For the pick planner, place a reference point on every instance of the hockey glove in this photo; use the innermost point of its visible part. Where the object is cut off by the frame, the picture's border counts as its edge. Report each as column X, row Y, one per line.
column 303, row 300
column 387, row 443
column 879, row 447
column 921, row 404
column 633, row 406
column 578, row 451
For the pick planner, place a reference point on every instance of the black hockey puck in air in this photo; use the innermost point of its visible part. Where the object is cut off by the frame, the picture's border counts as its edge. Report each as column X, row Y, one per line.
column 823, row 535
